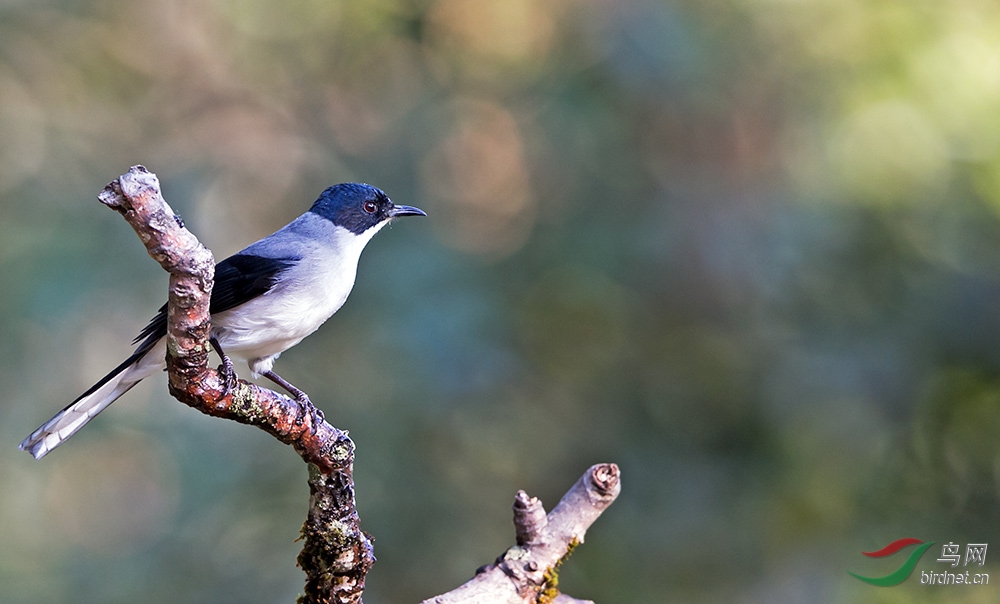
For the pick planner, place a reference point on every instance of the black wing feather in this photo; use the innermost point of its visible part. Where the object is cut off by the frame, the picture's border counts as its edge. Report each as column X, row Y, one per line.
column 243, row 277
column 238, row 279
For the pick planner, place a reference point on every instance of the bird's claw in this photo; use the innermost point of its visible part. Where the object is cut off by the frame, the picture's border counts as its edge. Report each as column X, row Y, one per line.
column 303, row 400
column 301, row 397
column 229, row 377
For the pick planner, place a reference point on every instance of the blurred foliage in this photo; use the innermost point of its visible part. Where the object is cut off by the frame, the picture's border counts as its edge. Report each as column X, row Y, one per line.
column 747, row 249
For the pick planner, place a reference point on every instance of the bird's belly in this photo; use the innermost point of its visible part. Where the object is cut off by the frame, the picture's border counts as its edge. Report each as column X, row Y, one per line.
column 269, row 325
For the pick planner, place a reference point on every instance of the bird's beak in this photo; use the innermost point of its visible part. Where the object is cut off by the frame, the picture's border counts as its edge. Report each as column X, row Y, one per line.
column 405, row 211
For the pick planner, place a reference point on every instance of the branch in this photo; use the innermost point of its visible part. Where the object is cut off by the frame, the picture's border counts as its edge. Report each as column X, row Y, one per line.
column 336, row 555
column 529, row 571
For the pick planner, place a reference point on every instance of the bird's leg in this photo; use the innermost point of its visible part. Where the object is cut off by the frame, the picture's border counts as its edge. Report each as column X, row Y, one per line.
column 300, row 396
column 228, row 372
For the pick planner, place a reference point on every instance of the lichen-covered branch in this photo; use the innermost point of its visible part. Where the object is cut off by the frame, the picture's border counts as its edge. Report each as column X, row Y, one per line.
column 336, row 555
column 529, row 571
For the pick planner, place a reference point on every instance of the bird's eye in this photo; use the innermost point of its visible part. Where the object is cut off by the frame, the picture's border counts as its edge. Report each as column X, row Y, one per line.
column 370, row 207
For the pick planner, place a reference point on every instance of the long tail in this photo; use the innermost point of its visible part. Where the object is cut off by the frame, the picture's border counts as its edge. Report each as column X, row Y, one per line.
column 65, row 424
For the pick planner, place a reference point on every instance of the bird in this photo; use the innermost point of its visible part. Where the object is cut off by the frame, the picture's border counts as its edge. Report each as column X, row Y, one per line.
column 267, row 298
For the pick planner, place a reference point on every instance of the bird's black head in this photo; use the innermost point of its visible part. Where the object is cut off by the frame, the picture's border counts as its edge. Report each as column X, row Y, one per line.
column 358, row 207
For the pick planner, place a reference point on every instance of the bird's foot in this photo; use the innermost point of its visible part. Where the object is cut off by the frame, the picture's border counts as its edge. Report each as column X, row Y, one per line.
column 229, row 377
column 228, row 371
column 303, row 399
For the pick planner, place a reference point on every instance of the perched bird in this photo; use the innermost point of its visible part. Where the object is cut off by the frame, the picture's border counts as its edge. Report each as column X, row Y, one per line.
column 266, row 299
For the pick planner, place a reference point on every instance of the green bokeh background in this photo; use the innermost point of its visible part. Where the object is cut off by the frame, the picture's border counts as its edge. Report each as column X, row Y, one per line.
column 747, row 249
